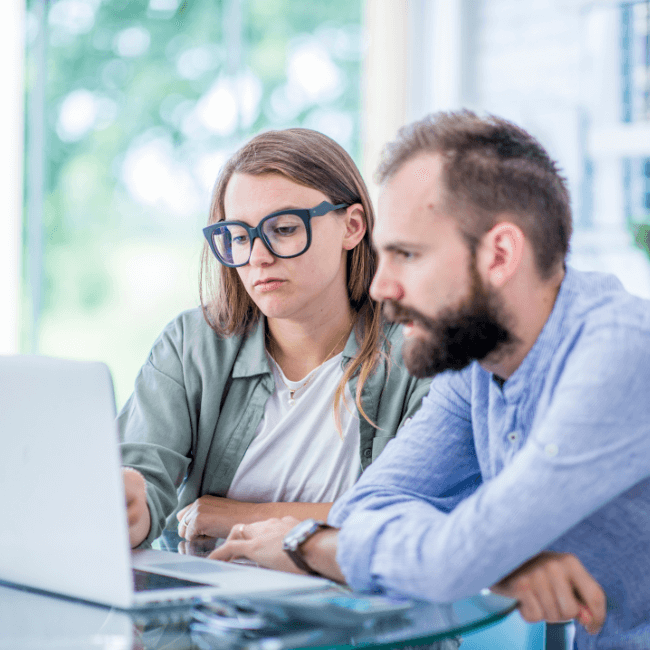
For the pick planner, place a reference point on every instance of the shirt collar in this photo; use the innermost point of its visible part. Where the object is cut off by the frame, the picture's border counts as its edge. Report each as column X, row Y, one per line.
column 252, row 360
column 541, row 354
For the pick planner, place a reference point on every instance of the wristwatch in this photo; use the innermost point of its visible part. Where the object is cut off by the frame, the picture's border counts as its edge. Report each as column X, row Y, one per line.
column 297, row 536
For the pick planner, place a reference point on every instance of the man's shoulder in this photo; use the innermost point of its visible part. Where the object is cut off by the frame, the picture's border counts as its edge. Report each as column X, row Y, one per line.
column 599, row 300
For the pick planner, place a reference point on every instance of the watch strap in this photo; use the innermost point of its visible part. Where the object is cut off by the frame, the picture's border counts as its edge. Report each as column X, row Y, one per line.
column 300, row 562
column 298, row 536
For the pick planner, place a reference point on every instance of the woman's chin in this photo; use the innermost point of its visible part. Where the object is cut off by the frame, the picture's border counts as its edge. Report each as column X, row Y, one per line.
column 274, row 309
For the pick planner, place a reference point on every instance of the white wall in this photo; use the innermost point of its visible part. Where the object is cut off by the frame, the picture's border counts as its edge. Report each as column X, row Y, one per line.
column 552, row 66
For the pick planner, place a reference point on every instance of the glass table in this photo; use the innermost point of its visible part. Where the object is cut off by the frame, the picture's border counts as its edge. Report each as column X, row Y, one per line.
column 35, row 621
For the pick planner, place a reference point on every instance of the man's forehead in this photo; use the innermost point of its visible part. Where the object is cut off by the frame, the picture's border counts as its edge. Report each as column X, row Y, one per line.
column 421, row 174
column 415, row 191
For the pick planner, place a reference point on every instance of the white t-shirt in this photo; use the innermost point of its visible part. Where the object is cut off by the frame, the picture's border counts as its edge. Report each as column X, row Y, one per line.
column 297, row 453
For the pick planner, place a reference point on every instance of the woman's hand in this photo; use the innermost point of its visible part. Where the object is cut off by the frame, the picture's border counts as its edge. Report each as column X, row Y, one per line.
column 137, row 510
column 215, row 516
column 555, row 587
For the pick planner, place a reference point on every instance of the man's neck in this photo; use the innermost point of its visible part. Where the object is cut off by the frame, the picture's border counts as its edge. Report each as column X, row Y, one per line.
column 530, row 303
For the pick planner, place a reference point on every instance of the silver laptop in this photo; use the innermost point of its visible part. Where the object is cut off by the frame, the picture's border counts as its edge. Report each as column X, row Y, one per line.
column 62, row 504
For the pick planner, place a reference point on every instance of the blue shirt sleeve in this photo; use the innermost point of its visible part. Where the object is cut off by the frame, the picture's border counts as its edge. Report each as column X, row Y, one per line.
column 417, row 522
column 410, row 473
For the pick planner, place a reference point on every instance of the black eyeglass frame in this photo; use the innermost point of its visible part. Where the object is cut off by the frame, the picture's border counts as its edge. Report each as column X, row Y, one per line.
column 305, row 215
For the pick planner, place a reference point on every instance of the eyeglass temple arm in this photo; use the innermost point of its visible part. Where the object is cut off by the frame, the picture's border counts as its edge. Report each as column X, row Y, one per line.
column 324, row 208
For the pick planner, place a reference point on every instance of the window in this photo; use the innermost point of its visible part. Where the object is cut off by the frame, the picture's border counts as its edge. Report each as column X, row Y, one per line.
column 635, row 44
column 133, row 106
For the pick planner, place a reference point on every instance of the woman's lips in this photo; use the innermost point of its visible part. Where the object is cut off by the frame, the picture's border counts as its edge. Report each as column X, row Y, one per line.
column 269, row 285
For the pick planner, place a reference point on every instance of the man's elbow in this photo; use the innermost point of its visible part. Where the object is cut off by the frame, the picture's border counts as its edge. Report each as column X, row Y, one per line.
column 431, row 586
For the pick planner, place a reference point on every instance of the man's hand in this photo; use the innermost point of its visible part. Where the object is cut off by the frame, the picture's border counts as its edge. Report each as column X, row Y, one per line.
column 260, row 542
column 137, row 510
column 555, row 587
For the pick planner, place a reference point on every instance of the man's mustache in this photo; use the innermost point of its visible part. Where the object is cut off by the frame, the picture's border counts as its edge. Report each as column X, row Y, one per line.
column 396, row 313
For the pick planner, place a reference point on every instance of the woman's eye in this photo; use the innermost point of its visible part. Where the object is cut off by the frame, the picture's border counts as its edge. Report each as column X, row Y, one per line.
column 240, row 240
column 285, row 231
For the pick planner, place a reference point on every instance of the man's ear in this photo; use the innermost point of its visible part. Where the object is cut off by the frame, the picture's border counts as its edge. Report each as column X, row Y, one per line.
column 500, row 253
column 355, row 226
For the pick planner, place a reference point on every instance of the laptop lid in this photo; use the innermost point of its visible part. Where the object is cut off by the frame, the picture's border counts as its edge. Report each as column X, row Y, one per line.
column 63, row 504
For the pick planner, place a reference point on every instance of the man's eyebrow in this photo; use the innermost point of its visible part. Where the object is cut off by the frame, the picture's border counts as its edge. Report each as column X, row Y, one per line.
column 401, row 246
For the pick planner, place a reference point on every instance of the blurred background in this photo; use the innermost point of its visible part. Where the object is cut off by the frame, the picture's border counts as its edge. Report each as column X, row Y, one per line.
column 117, row 115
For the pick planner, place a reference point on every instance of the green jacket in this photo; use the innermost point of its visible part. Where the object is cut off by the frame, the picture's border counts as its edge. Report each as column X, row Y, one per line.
column 199, row 398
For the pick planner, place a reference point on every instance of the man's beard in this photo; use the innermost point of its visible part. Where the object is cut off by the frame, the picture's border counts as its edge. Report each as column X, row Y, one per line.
column 470, row 331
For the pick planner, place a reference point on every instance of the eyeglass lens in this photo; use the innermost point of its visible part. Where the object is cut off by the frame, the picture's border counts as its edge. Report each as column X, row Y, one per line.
column 285, row 235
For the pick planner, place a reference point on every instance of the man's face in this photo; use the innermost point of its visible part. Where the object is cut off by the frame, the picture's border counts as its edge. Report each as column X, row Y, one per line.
column 428, row 277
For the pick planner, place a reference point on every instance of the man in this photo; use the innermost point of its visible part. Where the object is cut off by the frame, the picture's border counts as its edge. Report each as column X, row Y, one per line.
column 534, row 439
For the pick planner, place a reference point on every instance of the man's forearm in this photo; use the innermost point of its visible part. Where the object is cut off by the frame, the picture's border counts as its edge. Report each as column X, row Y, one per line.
column 319, row 552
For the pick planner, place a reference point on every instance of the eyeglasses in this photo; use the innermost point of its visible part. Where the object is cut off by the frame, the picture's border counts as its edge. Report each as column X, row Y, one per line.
column 286, row 234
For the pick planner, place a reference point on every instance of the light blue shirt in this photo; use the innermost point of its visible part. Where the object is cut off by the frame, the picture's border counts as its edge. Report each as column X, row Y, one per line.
column 483, row 477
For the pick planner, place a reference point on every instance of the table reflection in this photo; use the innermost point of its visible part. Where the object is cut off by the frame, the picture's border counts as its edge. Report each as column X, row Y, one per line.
column 36, row 621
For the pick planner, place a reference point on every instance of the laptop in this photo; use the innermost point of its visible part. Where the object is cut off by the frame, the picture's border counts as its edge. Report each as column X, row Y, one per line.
column 62, row 504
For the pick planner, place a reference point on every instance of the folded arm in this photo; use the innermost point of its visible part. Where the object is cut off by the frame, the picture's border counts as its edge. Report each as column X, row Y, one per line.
column 215, row 516
column 395, row 534
column 551, row 587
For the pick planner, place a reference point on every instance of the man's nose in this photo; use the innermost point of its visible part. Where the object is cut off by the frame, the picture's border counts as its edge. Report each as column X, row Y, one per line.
column 384, row 286
column 260, row 254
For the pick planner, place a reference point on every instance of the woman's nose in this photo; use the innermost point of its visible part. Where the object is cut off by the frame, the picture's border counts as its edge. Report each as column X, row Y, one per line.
column 260, row 254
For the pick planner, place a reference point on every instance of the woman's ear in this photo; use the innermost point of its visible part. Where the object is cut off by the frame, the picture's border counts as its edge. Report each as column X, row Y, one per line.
column 355, row 226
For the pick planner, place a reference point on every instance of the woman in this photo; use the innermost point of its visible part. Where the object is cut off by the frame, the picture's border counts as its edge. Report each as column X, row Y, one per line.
column 270, row 399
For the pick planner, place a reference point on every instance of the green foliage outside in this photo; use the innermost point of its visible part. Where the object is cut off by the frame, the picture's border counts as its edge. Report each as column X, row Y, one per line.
column 144, row 101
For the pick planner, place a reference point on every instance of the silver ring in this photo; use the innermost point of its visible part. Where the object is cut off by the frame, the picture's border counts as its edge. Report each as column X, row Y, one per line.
column 185, row 521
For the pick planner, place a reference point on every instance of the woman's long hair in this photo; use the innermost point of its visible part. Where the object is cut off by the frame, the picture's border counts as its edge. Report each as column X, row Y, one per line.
column 311, row 159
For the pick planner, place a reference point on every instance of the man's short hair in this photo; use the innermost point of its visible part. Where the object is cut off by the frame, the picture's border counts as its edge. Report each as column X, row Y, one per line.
column 491, row 167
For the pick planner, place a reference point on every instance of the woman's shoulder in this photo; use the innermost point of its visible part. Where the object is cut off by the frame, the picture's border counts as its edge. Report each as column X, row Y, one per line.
column 189, row 336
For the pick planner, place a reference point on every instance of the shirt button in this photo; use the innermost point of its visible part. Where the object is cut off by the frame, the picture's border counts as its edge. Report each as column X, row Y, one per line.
column 513, row 436
column 367, row 453
column 551, row 449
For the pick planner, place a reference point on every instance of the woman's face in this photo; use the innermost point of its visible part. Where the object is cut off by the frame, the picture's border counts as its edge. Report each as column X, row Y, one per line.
column 302, row 287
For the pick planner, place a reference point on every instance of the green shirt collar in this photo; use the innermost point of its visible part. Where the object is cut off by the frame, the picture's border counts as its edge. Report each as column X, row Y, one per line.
column 252, row 360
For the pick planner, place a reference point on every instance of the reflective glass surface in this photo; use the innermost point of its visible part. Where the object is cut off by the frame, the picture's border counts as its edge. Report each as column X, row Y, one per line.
column 330, row 617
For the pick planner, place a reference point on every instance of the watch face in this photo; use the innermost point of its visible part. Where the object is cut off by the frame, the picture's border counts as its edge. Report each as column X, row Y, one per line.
column 302, row 531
